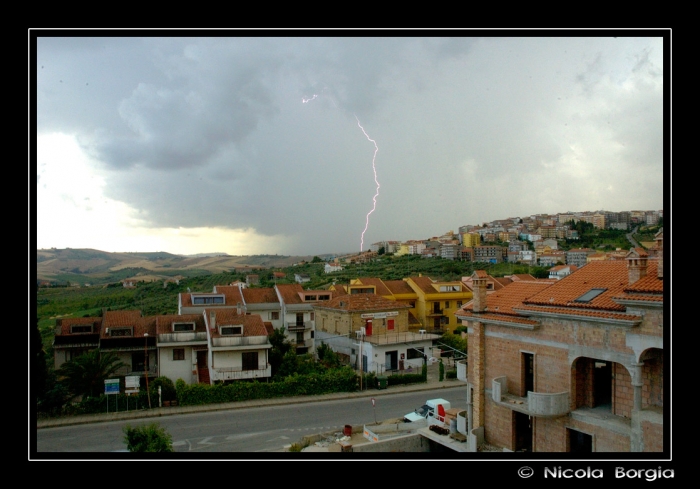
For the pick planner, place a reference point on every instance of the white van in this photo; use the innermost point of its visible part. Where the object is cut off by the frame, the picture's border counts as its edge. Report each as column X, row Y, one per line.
column 430, row 408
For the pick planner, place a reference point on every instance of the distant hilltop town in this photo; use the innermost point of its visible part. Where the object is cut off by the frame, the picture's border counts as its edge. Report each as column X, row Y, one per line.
column 542, row 230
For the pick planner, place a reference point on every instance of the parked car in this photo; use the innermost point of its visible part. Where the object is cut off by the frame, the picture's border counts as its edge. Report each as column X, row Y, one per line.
column 430, row 408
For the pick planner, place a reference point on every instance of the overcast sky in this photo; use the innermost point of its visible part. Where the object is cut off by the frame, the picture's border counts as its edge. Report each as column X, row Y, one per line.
column 283, row 145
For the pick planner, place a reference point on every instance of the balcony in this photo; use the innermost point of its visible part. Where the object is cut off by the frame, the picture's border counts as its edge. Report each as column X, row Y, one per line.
column 240, row 341
column 462, row 371
column 294, row 327
column 182, row 337
column 538, row 404
column 237, row 373
column 396, row 338
column 303, row 344
column 436, row 312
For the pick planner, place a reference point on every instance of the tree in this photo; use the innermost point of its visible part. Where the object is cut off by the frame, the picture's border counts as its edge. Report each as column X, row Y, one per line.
column 316, row 259
column 38, row 363
column 148, row 438
column 85, row 375
column 280, row 346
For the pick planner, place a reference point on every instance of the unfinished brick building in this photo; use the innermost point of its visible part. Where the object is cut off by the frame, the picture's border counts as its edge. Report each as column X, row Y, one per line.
column 573, row 366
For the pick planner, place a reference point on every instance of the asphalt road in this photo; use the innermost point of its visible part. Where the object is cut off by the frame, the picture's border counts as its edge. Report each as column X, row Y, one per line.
column 248, row 433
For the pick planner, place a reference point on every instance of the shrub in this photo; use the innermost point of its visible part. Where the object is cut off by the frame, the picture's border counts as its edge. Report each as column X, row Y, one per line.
column 148, row 438
column 167, row 388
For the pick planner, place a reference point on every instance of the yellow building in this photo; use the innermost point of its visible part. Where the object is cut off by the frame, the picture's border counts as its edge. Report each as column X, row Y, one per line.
column 437, row 302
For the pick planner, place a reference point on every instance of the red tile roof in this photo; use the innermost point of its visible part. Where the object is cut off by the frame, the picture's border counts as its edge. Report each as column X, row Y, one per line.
column 609, row 275
column 398, row 287
column 290, row 293
column 253, row 324
column 260, row 296
column 164, row 324
column 231, row 292
column 361, row 302
column 64, row 324
column 121, row 319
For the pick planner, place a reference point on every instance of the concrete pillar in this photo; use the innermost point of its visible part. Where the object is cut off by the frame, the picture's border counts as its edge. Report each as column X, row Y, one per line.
column 637, row 383
column 476, row 360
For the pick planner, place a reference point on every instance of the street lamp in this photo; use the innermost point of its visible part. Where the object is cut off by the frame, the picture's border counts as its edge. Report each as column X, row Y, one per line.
column 145, row 351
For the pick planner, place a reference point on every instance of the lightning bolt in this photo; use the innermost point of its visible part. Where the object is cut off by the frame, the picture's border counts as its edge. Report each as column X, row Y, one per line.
column 306, row 100
column 376, row 194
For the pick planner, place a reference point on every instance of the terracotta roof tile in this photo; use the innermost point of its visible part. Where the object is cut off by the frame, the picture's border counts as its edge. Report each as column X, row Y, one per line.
column 398, row 287
column 290, row 293
column 361, row 302
column 164, row 324
column 504, row 300
column 649, row 283
column 64, row 324
column 609, row 275
column 582, row 313
column 260, row 296
column 253, row 324
column 231, row 292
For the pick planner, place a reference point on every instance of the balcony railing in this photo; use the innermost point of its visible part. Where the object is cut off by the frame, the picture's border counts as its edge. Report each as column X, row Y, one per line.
column 395, row 338
column 303, row 343
column 182, row 337
column 239, row 340
column 237, row 373
column 539, row 404
column 436, row 312
column 293, row 327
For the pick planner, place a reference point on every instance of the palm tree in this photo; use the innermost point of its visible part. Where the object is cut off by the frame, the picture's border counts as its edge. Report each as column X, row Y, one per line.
column 85, row 375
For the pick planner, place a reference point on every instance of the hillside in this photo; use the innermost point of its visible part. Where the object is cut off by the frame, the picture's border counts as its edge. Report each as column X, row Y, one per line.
column 99, row 267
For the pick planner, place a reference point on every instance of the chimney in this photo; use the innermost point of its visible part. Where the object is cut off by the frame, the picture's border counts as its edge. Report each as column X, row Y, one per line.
column 212, row 320
column 636, row 265
column 479, row 292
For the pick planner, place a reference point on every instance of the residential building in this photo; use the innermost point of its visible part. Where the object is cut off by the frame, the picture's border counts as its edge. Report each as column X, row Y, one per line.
column 561, row 271
column 371, row 333
column 132, row 338
column 436, row 302
column 571, row 366
column 301, row 278
column 578, row 256
column 489, row 254
column 238, row 345
column 75, row 336
column 332, row 267
column 182, row 348
column 298, row 315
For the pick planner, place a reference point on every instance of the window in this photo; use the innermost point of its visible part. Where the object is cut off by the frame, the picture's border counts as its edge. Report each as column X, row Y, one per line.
column 300, row 337
column 250, row 360
column 80, row 328
column 447, row 304
column 413, row 353
column 178, row 354
column 179, row 327
column 231, row 330
column 590, row 295
column 459, row 304
column 216, row 299
column 274, row 315
column 120, row 332
column 311, row 316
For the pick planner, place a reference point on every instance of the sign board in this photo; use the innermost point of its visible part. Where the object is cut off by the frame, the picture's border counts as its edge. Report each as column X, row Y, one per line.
column 132, row 381
column 370, row 435
column 112, row 386
column 379, row 315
